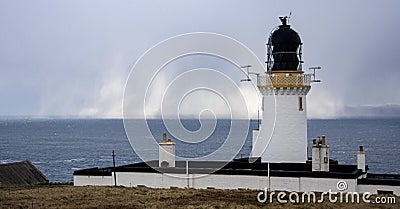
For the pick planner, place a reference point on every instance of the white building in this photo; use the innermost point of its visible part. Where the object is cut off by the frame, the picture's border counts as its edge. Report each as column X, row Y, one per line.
column 279, row 145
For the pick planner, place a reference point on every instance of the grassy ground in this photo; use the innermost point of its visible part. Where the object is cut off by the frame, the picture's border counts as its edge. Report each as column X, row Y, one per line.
column 68, row 196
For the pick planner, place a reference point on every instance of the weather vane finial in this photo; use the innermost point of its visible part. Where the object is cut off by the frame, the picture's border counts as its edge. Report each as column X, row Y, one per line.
column 284, row 20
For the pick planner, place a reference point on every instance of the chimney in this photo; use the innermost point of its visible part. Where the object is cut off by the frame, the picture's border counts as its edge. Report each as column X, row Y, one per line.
column 361, row 162
column 324, row 155
column 320, row 155
column 166, row 153
column 315, row 162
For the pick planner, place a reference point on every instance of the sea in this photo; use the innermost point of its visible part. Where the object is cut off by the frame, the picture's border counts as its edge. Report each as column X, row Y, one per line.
column 58, row 147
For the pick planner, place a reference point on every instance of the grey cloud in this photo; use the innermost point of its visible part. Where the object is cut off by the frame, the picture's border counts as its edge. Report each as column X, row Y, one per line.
column 72, row 57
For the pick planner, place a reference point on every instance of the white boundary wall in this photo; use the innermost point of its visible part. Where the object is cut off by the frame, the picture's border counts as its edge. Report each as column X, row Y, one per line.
column 93, row 181
column 159, row 180
column 374, row 188
column 298, row 184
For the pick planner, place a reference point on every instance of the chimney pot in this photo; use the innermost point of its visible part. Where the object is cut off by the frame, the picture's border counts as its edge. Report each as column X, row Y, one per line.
column 314, row 141
column 323, row 140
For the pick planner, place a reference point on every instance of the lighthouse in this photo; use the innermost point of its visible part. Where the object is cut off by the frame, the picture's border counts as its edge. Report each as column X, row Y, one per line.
column 282, row 135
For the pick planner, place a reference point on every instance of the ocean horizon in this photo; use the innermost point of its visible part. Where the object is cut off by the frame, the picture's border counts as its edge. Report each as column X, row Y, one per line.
column 58, row 146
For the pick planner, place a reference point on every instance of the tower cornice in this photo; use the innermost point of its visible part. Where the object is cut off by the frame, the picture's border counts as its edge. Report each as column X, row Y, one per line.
column 286, row 80
column 285, row 71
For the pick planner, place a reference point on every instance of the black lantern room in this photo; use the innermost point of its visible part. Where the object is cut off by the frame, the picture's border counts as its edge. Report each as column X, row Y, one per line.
column 284, row 49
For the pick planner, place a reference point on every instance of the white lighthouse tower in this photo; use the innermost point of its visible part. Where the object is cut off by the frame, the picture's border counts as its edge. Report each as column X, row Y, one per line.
column 282, row 135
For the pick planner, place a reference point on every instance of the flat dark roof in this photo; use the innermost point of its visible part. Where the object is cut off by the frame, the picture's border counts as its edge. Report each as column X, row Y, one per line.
column 236, row 167
column 381, row 179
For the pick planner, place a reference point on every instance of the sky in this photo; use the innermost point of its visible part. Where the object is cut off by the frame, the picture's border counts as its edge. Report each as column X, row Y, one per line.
column 72, row 58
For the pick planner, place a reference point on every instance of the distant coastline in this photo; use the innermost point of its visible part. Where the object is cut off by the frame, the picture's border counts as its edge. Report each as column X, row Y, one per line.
column 385, row 111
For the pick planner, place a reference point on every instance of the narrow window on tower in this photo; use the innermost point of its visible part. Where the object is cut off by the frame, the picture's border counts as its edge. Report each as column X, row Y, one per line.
column 300, row 103
column 262, row 104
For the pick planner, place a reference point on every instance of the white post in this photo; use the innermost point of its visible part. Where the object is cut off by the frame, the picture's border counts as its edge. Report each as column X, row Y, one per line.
column 269, row 180
column 187, row 173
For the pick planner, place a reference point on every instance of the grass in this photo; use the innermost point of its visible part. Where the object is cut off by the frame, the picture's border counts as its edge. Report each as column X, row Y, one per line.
column 68, row 196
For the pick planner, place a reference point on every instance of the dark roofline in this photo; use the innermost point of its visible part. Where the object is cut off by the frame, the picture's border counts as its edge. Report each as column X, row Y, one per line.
column 380, row 179
column 237, row 167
